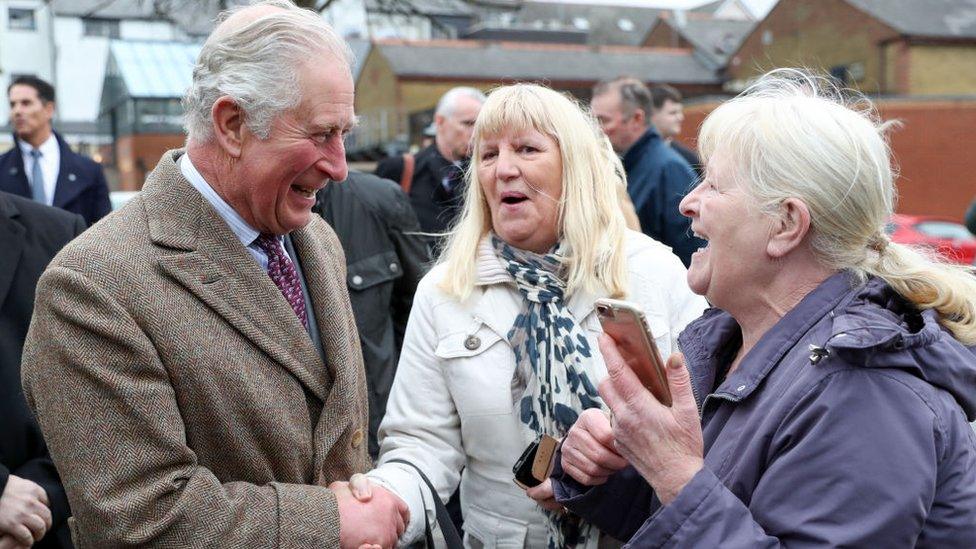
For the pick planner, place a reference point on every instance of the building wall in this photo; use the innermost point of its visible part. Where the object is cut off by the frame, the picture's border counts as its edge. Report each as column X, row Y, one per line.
column 377, row 102
column 82, row 60
column 897, row 67
column 137, row 155
column 942, row 69
column 816, row 34
column 24, row 51
column 932, row 149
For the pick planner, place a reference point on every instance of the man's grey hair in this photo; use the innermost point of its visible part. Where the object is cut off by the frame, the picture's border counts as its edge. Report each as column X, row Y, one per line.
column 256, row 64
column 448, row 101
column 634, row 94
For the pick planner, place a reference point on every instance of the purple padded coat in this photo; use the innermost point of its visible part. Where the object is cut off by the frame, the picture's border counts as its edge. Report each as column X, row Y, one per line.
column 846, row 426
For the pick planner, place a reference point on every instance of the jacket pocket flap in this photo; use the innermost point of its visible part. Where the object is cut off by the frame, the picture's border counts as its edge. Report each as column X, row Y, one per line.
column 467, row 343
column 373, row 270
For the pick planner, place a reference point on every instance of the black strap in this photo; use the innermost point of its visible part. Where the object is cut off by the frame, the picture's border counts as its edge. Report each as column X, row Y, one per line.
column 451, row 536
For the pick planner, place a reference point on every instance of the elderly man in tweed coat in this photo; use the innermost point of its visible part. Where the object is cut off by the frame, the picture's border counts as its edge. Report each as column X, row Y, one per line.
column 193, row 360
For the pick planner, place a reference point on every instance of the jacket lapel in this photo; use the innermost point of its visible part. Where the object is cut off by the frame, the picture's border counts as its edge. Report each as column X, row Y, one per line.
column 324, row 270
column 69, row 186
column 210, row 262
column 12, row 242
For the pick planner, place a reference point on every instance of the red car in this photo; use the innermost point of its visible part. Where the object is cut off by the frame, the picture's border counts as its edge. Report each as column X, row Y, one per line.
column 950, row 238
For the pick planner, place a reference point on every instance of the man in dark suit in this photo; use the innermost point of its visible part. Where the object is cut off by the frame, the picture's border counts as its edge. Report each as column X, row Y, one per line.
column 33, row 505
column 41, row 165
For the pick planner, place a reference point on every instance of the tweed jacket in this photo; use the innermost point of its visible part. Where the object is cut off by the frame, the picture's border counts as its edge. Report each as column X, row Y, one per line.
column 182, row 400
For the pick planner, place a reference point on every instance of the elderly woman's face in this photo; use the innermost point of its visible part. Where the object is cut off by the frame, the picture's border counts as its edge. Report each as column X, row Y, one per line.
column 736, row 235
column 521, row 175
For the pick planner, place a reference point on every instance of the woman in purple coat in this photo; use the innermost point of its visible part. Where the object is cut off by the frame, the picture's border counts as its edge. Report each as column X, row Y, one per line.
column 824, row 400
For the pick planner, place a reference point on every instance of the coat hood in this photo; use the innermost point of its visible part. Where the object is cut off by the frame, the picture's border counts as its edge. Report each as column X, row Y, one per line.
column 871, row 326
column 879, row 328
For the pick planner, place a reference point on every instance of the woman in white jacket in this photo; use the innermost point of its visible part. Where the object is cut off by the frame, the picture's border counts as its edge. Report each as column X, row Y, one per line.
column 501, row 342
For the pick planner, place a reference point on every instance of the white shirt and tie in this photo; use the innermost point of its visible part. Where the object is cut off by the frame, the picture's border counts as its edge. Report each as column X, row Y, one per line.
column 50, row 164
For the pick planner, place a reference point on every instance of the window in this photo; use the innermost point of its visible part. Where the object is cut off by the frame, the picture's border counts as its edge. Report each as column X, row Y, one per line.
column 21, row 19
column 108, row 28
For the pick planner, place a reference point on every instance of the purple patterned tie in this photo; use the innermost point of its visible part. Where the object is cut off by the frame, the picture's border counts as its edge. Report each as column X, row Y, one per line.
column 283, row 274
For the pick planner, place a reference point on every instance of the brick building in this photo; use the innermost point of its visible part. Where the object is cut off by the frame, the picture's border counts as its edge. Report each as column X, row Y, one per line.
column 936, row 174
column 904, row 47
column 715, row 38
column 401, row 81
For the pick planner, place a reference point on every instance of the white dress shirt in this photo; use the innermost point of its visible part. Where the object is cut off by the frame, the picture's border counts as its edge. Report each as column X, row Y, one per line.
column 50, row 165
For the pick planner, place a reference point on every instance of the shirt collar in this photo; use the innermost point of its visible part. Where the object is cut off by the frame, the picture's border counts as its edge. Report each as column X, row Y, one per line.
column 242, row 230
column 47, row 147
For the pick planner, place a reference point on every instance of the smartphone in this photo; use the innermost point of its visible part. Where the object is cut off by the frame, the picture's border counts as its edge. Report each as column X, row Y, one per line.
column 535, row 464
column 626, row 324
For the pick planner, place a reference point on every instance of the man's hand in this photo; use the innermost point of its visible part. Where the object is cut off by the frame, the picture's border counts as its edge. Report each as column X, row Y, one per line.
column 588, row 452
column 373, row 519
column 24, row 512
column 8, row 542
column 664, row 444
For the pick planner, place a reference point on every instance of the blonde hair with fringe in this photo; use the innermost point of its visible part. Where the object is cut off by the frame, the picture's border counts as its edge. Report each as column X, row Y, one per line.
column 795, row 134
column 591, row 225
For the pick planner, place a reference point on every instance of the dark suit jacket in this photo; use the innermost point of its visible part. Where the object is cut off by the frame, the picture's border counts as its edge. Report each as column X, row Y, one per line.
column 81, row 187
column 181, row 398
column 30, row 235
column 436, row 207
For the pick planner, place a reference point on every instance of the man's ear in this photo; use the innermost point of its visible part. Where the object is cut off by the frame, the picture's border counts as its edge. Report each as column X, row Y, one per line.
column 49, row 109
column 228, row 125
column 789, row 228
column 439, row 120
column 640, row 116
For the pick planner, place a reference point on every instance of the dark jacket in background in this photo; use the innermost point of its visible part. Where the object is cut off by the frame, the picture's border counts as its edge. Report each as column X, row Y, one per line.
column 971, row 217
column 81, row 186
column 846, row 426
column 30, row 236
column 437, row 188
column 385, row 259
column 691, row 157
column 657, row 179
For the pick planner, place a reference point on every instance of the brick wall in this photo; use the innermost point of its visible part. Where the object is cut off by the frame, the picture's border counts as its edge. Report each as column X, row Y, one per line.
column 933, row 149
column 817, row 34
column 942, row 68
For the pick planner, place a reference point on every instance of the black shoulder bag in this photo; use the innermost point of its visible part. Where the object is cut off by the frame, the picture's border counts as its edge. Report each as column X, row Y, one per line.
column 451, row 536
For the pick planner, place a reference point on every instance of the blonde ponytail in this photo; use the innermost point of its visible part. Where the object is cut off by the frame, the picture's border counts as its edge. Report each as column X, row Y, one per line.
column 930, row 283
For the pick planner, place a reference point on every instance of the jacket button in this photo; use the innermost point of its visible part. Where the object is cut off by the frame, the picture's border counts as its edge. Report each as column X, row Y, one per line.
column 393, row 267
column 357, row 438
column 357, row 280
column 472, row 342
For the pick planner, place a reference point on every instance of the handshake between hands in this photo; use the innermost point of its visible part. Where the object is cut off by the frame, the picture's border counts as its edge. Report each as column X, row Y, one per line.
column 370, row 516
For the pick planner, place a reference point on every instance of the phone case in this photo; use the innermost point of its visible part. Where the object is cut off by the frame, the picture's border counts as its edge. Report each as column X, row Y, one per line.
column 626, row 324
column 535, row 464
